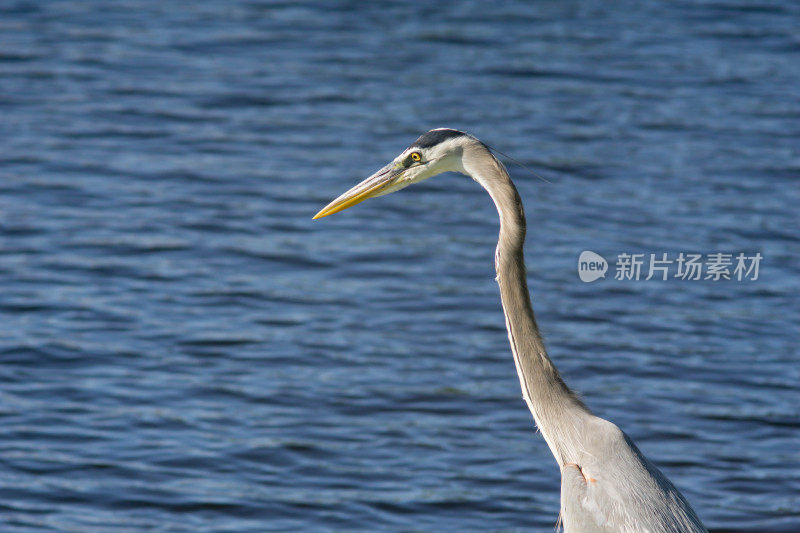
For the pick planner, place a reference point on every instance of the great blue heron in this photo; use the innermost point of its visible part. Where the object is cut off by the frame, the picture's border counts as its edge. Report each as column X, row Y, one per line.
column 607, row 484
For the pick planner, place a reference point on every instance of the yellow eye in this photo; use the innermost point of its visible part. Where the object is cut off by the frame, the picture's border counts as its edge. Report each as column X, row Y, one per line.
column 416, row 157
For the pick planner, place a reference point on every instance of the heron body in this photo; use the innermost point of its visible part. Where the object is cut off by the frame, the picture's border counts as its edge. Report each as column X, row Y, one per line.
column 607, row 484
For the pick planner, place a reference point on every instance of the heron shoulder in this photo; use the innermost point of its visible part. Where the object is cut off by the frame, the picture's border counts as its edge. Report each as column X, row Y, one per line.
column 622, row 489
column 610, row 456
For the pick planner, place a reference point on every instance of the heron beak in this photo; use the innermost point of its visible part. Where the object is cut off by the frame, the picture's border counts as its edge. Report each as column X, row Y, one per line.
column 378, row 184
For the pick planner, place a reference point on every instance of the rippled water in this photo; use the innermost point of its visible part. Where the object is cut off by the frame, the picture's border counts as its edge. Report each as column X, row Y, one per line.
column 183, row 349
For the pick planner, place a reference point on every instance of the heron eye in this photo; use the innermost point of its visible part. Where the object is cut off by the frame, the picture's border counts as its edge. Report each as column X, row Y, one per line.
column 416, row 157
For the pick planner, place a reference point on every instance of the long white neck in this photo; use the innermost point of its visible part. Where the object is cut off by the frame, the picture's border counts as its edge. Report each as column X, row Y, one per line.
column 556, row 409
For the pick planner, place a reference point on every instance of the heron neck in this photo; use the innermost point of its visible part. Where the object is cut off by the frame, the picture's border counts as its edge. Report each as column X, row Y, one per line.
column 555, row 408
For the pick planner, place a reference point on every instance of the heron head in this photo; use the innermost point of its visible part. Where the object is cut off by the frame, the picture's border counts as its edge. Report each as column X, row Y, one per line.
column 434, row 152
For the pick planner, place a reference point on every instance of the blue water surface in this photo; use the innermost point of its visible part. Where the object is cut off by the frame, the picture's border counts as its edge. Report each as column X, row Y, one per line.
column 183, row 349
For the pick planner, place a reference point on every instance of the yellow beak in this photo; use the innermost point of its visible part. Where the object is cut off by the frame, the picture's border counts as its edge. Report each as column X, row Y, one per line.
column 376, row 185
